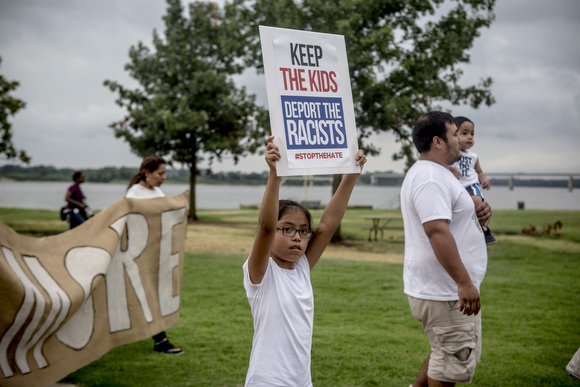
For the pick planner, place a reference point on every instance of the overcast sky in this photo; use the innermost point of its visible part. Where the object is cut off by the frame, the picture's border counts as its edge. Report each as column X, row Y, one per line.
column 61, row 51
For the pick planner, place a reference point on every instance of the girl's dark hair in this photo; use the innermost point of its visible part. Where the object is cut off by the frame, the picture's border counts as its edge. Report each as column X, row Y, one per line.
column 288, row 205
column 150, row 163
column 460, row 120
column 76, row 175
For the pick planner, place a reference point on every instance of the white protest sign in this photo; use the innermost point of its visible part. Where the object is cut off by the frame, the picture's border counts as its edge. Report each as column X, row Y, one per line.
column 310, row 102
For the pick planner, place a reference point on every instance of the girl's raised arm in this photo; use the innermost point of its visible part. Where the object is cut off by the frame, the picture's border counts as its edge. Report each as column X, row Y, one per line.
column 333, row 213
column 268, row 220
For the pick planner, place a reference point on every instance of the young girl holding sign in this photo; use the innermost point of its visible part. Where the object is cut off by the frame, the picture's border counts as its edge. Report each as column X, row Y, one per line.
column 277, row 279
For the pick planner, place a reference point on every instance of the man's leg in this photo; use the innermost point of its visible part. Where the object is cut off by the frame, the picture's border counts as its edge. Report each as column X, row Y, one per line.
column 438, row 319
column 422, row 380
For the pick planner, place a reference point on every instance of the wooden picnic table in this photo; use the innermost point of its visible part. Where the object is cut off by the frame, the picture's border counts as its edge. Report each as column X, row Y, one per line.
column 381, row 223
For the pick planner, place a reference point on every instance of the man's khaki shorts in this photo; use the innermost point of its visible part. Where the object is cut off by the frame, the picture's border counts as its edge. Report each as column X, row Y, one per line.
column 455, row 339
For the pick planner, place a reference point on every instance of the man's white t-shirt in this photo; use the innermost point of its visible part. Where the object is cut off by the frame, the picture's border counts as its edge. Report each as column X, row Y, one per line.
column 431, row 192
column 137, row 191
column 283, row 309
column 466, row 166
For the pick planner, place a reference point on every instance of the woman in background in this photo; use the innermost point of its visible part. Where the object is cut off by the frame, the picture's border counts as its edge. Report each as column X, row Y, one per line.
column 145, row 185
column 77, row 208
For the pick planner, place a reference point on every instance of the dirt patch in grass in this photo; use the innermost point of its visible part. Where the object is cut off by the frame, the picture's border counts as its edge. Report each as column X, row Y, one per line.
column 219, row 238
column 543, row 242
column 352, row 253
column 237, row 238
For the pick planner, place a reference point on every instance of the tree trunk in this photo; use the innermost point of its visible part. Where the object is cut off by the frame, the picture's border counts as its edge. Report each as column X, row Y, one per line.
column 336, row 237
column 192, row 176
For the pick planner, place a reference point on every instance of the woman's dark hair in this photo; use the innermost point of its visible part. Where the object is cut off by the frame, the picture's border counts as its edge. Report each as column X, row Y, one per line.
column 428, row 126
column 76, row 175
column 150, row 163
column 289, row 205
column 460, row 120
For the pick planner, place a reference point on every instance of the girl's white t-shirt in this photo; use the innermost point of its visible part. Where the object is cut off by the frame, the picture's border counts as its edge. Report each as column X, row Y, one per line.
column 283, row 309
column 137, row 191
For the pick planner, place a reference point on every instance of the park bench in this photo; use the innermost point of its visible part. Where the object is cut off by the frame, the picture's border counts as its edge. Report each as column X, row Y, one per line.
column 382, row 223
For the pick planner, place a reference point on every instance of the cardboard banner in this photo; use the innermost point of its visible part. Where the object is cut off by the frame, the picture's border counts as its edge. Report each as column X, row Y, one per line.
column 573, row 366
column 66, row 300
column 310, row 101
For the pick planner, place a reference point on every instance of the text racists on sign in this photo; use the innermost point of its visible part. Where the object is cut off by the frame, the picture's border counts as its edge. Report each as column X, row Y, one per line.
column 310, row 101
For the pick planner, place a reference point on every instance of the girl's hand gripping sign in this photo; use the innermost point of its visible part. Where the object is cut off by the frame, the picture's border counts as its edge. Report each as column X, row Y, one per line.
column 310, row 102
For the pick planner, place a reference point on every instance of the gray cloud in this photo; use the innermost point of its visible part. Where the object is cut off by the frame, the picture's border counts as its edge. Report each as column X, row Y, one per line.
column 61, row 52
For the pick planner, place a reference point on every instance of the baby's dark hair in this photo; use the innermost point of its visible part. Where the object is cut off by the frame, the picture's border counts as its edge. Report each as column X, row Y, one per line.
column 288, row 205
column 460, row 120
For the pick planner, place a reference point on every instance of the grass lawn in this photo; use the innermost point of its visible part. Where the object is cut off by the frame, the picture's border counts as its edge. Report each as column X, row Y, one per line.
column 364, row 334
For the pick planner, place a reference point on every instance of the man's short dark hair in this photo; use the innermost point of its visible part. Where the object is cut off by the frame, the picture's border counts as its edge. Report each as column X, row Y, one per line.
column 432, row 124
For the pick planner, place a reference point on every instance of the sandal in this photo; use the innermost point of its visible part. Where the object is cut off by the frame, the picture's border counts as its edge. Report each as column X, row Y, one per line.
column 167, row 348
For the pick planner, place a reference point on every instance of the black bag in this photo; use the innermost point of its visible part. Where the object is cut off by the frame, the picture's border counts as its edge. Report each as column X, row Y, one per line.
column 64, row 212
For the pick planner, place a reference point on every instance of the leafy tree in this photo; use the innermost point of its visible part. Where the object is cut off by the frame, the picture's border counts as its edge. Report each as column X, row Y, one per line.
column 187, row 105
column 9, row 106
column 403, row 55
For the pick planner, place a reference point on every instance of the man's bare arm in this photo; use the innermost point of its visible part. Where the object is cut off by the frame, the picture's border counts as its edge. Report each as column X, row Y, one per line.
column 447, row 254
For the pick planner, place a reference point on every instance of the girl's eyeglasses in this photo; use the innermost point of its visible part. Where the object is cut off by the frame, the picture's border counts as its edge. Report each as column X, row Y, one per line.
column 291, row 231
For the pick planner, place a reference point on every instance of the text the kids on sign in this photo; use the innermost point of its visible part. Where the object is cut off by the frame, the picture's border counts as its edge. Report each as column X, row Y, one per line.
column 310, row 99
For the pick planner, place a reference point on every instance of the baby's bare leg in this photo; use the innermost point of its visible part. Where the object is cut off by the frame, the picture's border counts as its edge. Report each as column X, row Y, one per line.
column 477, row 200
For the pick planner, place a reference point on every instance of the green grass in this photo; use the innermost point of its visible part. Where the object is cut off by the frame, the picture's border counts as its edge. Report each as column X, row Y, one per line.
column 512, row 221
column 364, row 334
column 33, row 222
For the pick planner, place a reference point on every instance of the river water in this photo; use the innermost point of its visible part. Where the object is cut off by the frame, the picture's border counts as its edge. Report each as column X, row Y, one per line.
column 50, row 195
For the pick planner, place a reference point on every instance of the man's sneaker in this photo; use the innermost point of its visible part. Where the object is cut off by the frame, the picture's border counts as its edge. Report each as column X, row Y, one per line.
column 489, row 239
